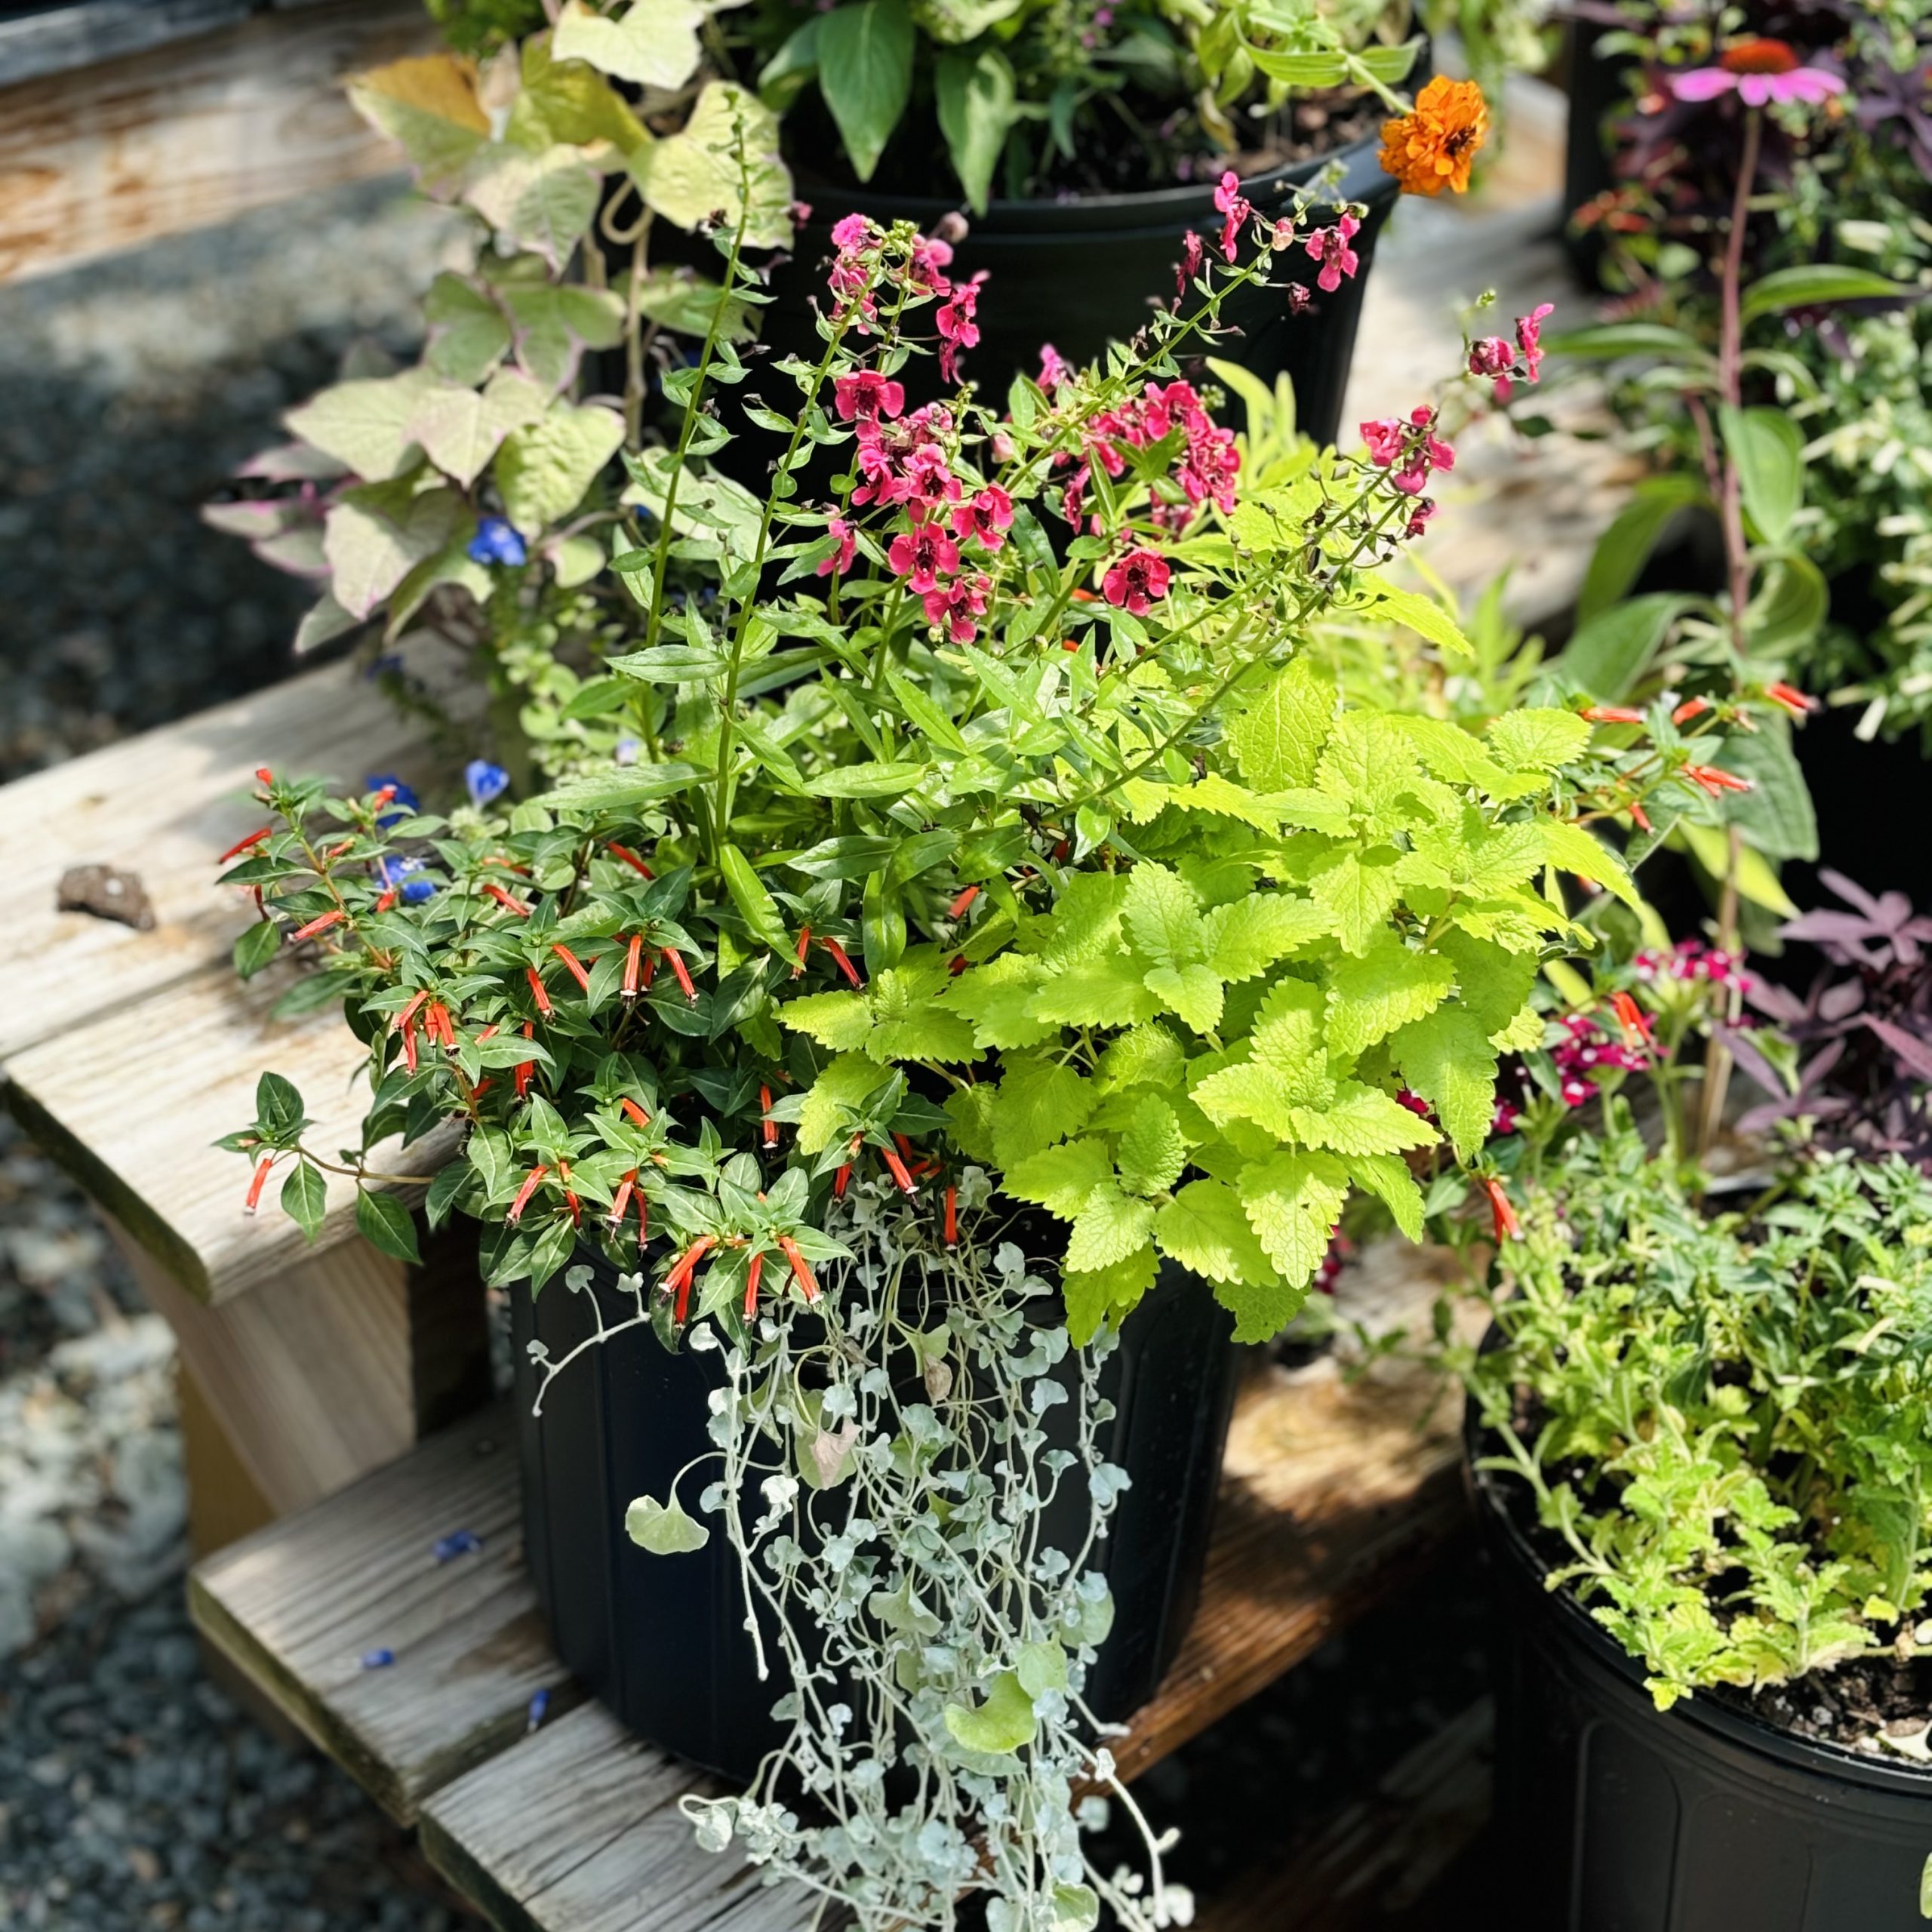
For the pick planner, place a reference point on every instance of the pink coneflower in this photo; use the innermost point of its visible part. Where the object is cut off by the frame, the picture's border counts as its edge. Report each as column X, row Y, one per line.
column 1761, row 70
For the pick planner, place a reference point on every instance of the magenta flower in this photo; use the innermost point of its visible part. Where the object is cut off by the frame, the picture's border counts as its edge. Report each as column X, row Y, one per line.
column 923, row 555
column 1189, row 267
column 867, row 395
column 855, row 231
column 1329, row 247
column 954, row 606
column 1136, row 581
column 1529, row 336
column 840, row 562
column 1761, row 70
column 957, row 327
column 1234, row 206
column 1384, row 438
column 985, row 518
column 1055, row 369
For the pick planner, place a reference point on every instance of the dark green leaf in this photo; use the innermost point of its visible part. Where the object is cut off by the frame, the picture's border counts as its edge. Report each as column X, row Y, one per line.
column 304, row 1198
column 1609, row 654
column 1625, row 547
column 865, row 71
column 278, row 1109
column 386, row 1222
column 256, row 947
column 1776, row 816
column 975, row 91
column 1814, row 282
column 1768, row 449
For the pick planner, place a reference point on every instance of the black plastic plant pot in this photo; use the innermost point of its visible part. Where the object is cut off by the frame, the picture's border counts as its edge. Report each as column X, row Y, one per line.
column 1599, row 87
column 1617, row 1817
column 661, row 1641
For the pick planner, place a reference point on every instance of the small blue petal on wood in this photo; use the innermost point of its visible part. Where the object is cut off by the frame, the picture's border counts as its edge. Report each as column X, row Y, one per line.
column 539, row 1705
column 458, row 1543
column 377, row 1659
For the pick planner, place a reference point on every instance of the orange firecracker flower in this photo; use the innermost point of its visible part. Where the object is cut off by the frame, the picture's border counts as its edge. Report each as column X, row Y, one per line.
column 1434, row 146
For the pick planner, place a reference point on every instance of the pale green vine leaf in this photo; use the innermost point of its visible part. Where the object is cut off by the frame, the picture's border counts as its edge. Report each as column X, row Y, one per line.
column 663, row 1529
column 376, row 535
column 429, row 105
column 543, row 202
column 461, row 428
column 365, row 424
column 694, row 175
column 544, row 469
column 1003, row 1724
column 653, row 44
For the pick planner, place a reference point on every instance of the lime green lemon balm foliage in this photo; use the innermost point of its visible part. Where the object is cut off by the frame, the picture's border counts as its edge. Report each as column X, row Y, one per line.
column 1724, row 1420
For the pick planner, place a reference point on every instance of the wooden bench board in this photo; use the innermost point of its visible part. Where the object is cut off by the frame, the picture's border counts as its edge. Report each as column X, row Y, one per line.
column 1333, row 1493
column 104, row 158
column 166, row 804
column 299, row 1605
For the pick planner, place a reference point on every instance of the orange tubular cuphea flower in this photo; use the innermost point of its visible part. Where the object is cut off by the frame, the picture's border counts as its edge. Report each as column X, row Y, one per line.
column 1433, row 145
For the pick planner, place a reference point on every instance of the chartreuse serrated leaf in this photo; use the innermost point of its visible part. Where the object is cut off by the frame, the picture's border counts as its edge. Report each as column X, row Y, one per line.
column 998, row 998
column 1491, row 982
column 1288, row 1064
column 1194, row 991
column 1248, row 936
column 970, row 1111
column 1451, row 753
column 1037, row 1103
column 1147, row 1056
column 1163, row 916
column 1570, row 849
column 1086, row 919
column 1358, row 890
column 1204, row 1229
column 1292, row 1202
column 1060, row 1179
column 1278, row 736
column 1538, row 738
column 1420, row 614
column 843, row 1085
column 908, row 1024
column 842, row 1021
column 1446, row 1059
column 1097, row 1295
column 1216, row 794
column 1387, row 986
column 663, row 1528
column 1362, row 1119
column 1387, row 1176
column 1106, row 991
column 1003, row 1722
column 1110, row 1226
column 1151, row 1150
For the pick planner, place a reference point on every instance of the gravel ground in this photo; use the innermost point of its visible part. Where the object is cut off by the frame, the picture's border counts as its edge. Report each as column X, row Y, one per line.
column 132, row 1793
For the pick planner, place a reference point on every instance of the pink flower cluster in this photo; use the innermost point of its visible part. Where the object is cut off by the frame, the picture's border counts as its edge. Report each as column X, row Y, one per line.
column 857, row 267
column 1496, row 358
column 1588, row 1047
column 908, row 464
column 1692, row 959
column 1205, row 468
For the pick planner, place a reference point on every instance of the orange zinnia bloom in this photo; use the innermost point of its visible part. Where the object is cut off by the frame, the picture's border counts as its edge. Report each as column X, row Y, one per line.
column 1434, row 145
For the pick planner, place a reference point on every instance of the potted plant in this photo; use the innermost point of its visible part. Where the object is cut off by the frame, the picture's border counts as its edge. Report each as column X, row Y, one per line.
column 1087, row 142
column 976, row 841
column 1698, row 1442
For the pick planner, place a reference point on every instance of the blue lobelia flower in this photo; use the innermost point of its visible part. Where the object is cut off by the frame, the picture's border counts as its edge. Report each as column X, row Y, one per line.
column 401, row 805
column 397, row 872
column 496, row 542
column 487, row 782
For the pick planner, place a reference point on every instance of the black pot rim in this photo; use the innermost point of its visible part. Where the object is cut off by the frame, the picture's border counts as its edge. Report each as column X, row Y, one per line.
column 1150, row 208
column 1735, row 1727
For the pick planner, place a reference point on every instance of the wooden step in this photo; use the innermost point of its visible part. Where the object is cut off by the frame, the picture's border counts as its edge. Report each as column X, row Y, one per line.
column 1335, row 1494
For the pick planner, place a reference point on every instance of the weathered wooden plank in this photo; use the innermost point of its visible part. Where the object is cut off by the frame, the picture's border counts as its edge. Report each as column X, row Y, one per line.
column 131, row 1106
column 101, row 158
column 1374, row 1861
column 50, row 38
column 577, row 1829
column 333, row 1368
column 165, row 805
column 300, row 1605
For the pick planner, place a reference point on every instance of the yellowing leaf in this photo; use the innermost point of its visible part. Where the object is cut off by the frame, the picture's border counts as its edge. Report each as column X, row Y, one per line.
column 1002, row 1724
column 429, row 105
column 842, row 1021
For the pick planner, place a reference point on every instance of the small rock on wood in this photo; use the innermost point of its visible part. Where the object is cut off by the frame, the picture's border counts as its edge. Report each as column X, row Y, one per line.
column 106, row 894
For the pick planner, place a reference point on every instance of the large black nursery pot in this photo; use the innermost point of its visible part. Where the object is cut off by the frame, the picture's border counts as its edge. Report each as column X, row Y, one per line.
column 1599, row 87
column 1080, row 273
column 661, row 1641
column 1614, row 1817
